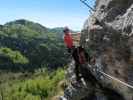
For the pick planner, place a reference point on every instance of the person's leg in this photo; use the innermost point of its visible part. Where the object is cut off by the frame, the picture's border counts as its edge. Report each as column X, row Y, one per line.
column 87, row 57
column 75, row 55
column 69, row 50
column 77, row 65
column 77, row 71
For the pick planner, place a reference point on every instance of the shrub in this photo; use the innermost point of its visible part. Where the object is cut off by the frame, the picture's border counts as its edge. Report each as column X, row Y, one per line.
column 38, row 87
column 14, row 56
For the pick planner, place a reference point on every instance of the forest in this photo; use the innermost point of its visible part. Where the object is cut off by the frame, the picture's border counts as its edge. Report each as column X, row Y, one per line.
column 32, row 61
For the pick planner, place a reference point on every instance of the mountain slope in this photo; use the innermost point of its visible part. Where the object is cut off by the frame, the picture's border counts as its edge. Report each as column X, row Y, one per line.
column 40, row 45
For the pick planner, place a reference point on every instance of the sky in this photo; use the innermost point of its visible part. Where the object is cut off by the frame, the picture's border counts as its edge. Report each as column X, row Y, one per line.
column 50, row 13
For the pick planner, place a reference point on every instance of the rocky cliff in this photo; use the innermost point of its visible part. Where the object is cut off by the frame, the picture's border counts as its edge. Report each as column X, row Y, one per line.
column 108, row 34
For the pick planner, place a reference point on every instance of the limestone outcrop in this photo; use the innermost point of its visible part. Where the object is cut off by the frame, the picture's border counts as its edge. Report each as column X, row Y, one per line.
column 108, row 35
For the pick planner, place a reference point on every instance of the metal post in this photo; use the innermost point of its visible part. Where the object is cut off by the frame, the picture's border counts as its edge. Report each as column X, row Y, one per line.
column 84, row 2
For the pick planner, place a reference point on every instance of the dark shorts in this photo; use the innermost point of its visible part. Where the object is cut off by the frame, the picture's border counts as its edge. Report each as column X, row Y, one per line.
column 69, row 50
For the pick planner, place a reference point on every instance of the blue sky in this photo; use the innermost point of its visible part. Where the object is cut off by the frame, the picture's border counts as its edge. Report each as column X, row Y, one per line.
column 50, row 13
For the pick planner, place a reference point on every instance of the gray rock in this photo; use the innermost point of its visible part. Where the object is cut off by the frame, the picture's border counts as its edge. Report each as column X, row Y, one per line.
column 108, row 34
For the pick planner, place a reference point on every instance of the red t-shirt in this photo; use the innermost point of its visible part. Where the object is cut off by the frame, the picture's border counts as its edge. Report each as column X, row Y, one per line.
column 68, row 40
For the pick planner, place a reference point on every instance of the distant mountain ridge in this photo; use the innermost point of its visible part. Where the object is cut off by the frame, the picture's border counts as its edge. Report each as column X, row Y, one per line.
column 40, row 45
column 25, row 26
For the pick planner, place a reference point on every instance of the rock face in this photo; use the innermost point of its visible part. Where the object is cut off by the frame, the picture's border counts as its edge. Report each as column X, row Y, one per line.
column 108, row 34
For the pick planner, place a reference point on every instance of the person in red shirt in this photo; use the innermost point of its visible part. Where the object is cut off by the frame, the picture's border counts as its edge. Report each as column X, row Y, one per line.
column 78, row 53
column 68, row 39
